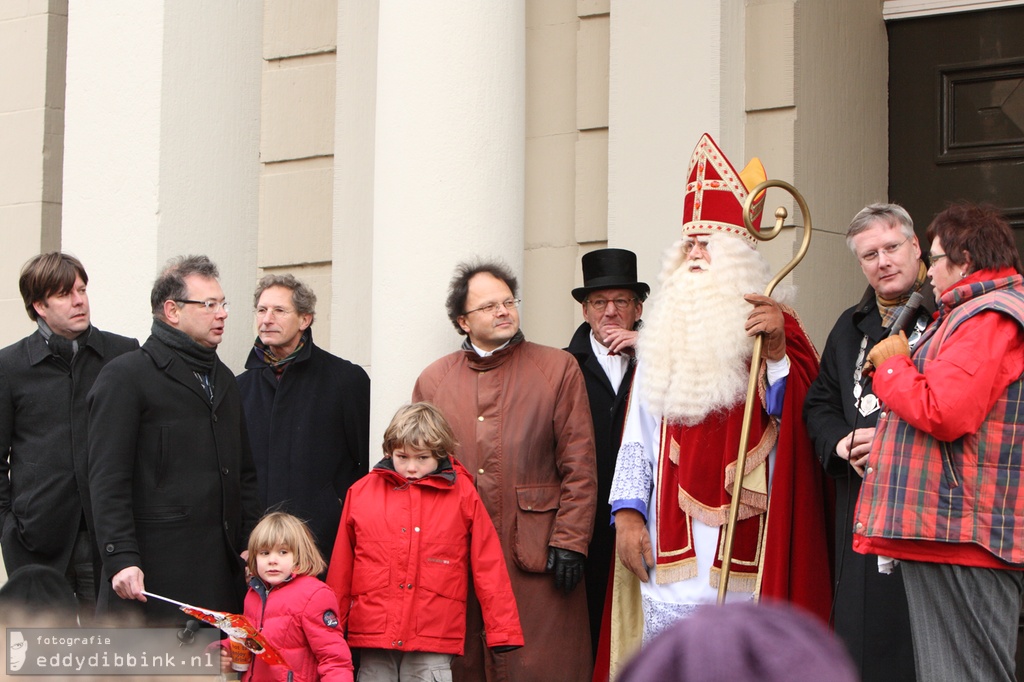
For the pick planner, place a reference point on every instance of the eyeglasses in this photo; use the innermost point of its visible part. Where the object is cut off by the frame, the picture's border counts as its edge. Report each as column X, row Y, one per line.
column 890, row 250
column 211, row 306
column 937, row 257
column 492, row 308
column 602, row 303
column 699, row 243
column 276, row 310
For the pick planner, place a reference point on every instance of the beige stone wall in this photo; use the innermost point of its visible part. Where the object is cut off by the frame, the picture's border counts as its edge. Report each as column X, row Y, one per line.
column 567, row 44
column 816, row 103
column 33, row 48
column 297, row 147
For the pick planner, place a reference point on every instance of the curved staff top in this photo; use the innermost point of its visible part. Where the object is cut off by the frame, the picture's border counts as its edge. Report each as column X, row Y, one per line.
column 757, row 195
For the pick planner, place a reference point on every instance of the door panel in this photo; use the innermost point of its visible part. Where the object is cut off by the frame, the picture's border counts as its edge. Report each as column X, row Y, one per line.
column 956, row 113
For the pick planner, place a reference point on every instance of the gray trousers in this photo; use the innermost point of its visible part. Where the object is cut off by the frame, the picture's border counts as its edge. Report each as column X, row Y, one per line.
column 963, row 621
column 381, row 665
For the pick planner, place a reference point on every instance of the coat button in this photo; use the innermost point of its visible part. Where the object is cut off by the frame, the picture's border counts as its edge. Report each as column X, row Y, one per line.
column 214, row 418
column 227, row 526
column 224, row 471
column 399, row 643
column 109, row 548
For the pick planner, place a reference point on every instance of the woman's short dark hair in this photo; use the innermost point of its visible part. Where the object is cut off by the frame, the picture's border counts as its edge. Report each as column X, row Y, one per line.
column 458, row 288
column 979, row 230
column 46, row 275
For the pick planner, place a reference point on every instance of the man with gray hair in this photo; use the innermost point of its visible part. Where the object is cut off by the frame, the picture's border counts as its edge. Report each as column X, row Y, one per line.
column 308, row 411
column 170, row 471
column 841, row 411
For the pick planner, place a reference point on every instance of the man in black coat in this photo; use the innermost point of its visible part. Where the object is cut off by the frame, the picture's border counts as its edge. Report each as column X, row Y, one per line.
column 308, row 411
column 170, row 470
column 604, row 345
column 841, row 411
column 44, row 379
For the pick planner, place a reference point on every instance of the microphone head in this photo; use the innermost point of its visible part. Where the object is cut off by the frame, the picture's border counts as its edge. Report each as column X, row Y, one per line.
column 907, row 315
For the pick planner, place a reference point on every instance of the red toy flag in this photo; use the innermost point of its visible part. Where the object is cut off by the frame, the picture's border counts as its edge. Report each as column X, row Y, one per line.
column 234, row 625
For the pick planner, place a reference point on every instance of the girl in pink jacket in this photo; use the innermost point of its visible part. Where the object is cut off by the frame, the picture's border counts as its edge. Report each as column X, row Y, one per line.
column 411, row 532
column 295, row 611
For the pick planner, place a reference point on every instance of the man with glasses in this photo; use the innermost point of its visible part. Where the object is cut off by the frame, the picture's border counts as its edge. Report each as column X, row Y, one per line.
column 522, row 419
column 308, row 412
column 605, row 348
column 44, row 447
column 170, row 471
column 841, row 411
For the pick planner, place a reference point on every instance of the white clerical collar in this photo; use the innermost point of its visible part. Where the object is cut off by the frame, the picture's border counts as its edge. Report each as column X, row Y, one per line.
column 614, row 366
column 486, row 353
column 596, row 345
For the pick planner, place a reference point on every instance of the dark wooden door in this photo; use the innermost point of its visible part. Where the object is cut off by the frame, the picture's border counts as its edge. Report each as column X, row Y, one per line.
column 956, row 113
column 956, row 121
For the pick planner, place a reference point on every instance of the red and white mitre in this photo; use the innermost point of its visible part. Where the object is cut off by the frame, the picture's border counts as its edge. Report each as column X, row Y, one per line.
column 715, row 193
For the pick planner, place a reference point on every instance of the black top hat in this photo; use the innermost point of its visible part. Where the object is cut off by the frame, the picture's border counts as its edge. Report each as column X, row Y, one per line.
column 610, row 269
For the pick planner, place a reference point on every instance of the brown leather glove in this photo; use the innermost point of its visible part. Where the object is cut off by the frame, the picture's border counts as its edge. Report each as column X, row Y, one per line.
column 885, row 349
column 766, row 318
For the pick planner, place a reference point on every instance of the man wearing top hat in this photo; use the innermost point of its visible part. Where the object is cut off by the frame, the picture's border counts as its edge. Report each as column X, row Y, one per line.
column 604, row 345
column 672, row 488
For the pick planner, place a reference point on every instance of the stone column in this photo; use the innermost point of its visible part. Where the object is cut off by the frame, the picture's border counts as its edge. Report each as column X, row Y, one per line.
column 161, row 151
column 33, row 44
column 448, row 173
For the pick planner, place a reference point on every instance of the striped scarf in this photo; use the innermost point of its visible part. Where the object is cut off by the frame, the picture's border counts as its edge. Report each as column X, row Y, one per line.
column 277, row 365
column 890, row 309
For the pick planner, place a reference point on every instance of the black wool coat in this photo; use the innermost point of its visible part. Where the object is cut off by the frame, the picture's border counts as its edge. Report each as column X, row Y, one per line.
column 172, row 482
column 870, row 608
column 608, row 411
column 310, row 435
column 44, row 445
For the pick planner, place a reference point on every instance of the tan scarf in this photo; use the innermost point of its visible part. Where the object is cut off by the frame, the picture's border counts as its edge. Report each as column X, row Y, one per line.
column 890, row 309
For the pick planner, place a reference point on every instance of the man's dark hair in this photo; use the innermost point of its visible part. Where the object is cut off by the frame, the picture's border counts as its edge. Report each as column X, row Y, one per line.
column 46, row 275
column 979, row 230
column 458, row 288
column 170, row 285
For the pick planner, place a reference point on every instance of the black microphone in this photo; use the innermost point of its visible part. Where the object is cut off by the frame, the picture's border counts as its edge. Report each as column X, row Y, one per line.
column 906, row 318
column 900, row 324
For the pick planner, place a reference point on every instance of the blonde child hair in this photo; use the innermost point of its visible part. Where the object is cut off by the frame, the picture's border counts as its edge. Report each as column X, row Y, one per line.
column 422, row 426
column 280, row 528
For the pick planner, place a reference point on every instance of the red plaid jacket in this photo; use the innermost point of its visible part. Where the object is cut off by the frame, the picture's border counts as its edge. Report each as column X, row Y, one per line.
column 970, row 490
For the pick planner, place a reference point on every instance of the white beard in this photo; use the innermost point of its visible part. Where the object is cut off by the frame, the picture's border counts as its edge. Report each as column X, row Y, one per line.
column 694, row 349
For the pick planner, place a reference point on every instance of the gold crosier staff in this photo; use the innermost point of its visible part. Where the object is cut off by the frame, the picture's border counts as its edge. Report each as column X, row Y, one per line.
column 755, row 360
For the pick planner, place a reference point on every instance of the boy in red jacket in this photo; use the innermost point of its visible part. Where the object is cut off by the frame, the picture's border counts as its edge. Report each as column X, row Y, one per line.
column 411, row 531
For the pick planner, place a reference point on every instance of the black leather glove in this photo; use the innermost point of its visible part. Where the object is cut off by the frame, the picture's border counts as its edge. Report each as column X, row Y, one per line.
column 505, row 648
column 567, row 566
